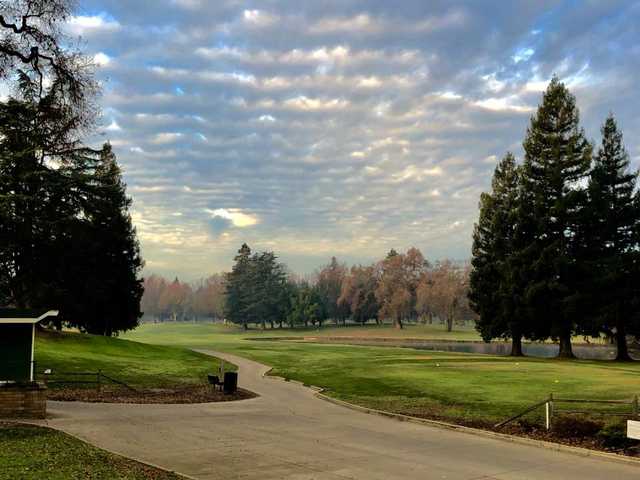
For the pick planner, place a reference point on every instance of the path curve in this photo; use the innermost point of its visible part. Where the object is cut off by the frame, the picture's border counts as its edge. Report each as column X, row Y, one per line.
column 288, row 433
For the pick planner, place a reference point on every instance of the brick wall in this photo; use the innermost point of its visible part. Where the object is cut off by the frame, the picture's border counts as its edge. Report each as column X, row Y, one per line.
column 23, row 401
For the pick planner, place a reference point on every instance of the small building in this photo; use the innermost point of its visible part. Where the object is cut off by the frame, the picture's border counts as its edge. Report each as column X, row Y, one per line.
column 20, row 394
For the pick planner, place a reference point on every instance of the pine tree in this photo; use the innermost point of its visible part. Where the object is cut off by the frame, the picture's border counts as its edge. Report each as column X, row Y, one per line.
column 119, row 263
column 492, row 283
column 236, row 290
column 557, row 159
column 611, row 243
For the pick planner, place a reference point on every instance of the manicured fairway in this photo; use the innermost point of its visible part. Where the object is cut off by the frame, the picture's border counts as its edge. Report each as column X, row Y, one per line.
column 36, row 453
column 139, row 365
column 452, row 386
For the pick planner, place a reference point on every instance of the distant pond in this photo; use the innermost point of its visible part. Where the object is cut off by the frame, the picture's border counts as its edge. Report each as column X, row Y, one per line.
column 544, row 350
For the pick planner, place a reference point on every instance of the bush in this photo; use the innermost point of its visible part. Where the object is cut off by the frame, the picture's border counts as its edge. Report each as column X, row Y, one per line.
column 575, row 427
column 614, row 436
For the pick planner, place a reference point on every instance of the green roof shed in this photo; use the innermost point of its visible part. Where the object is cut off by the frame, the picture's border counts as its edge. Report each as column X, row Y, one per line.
column 17, row 338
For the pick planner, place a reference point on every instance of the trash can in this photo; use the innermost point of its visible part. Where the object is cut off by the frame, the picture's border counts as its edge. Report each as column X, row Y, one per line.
column 230, row 382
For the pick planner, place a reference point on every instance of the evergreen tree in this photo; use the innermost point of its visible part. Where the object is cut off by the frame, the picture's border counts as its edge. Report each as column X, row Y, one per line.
column 557, row 159
column 66, row 239
column 116, row 299
column 611, row 242
column 236, row 293
column 492, row 284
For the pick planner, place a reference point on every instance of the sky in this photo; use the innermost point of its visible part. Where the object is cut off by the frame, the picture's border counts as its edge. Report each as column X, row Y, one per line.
column 340, row 127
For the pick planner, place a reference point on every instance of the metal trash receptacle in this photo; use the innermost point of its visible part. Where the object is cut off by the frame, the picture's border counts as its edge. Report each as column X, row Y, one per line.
column 230, row 382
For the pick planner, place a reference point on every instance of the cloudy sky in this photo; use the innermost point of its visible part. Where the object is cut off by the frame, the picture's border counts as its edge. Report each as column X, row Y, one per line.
column 337, row 127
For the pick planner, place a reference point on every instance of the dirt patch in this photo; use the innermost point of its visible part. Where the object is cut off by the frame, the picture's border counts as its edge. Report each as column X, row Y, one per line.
column 191, row 394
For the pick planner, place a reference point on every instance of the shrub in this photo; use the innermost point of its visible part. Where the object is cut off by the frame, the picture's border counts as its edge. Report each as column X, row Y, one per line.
column 614, row 436
column 575, row 427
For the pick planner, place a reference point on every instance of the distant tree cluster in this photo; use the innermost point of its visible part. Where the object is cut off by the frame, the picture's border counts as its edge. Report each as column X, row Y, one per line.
column 402, row 287
column 557, row 244
column 179, row 301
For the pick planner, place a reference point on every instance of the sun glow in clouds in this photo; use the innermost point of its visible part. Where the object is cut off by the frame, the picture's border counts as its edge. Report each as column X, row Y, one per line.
column 237, row 218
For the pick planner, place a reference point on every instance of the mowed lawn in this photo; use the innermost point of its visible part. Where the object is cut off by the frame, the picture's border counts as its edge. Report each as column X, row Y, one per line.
column 28, row 452
column 137, row 364
column 452, row 386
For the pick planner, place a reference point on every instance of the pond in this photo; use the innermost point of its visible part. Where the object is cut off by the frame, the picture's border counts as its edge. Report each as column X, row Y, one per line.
column 543, row 350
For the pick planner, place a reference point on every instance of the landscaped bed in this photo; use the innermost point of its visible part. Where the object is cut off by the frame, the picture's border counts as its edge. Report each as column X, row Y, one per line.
column 28, row 452
column 178, row 394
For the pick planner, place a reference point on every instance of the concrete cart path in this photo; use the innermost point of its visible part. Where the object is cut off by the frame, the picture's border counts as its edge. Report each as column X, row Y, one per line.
column 288, row 433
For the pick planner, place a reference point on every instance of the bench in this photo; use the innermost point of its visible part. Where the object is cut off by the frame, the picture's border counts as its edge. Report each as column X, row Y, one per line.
column 215, row 381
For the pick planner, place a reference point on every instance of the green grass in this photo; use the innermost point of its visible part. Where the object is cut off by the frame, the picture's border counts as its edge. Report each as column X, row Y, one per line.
column 30, row 452
column 137, row 364
column 452, row 386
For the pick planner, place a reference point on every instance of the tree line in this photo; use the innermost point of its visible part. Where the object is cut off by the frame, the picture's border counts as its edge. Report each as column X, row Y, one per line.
column 260, row 290
column 66, row 237
column 166, row 300
column 557, row 243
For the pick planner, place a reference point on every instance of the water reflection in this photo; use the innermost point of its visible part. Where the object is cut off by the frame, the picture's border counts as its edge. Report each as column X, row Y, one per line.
column 544, row 350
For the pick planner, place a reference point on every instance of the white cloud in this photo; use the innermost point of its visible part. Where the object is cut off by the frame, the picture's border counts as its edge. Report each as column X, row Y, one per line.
column 302, row 102
column 512, row 103
column 86, row 25
column 361, row 23
column 258, row 18
column 523, row 54
column 166, row 137
column 101, row 59
column 113, row 127
column 237, row 217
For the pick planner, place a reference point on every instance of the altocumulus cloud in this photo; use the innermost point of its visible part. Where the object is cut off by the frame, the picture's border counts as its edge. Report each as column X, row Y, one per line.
column 346, row 128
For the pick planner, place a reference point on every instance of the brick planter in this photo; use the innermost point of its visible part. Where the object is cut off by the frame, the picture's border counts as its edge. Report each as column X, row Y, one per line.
column 23, row 400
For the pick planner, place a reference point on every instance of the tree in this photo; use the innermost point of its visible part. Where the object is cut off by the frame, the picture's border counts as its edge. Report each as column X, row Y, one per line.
column 174, row 302
column 305, row 307
column 257, row 289
column 329, row 285
column 209, row 297
column 358, row 293
column 396, row 289
column 116, row 303
column 444, row 288
column 611, row 244
column 236, row 281
column 64, row 222
column 154, row 286
column 35, row 56
column 557, row 159
column 493, row 282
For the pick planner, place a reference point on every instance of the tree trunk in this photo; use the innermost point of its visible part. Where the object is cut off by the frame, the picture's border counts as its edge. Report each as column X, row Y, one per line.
column 449, row 323
column 398, row 323
column 566, row 350
column 621, row 340
column 516, row 345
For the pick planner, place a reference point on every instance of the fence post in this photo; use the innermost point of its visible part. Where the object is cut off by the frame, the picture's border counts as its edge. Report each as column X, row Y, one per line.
column 548, row 408
column 634, row 406
column 99, row 380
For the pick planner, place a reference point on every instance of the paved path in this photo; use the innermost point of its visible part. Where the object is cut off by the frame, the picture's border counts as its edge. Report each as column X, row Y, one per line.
column 287, row 433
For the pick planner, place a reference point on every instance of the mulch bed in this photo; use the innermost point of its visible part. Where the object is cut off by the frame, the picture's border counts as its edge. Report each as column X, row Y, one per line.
column 190, row 394
column 536, row 432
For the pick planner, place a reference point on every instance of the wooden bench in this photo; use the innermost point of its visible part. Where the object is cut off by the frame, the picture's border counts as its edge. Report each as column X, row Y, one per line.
column 215, row 381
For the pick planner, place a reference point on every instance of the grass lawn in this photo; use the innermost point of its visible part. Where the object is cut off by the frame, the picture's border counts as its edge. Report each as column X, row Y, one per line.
column 452, row 386
column 139, row 365
column 29, row 452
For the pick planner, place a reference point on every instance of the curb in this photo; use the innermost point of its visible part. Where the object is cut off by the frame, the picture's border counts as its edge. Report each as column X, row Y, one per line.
column 44, row 424
column 559, row 447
